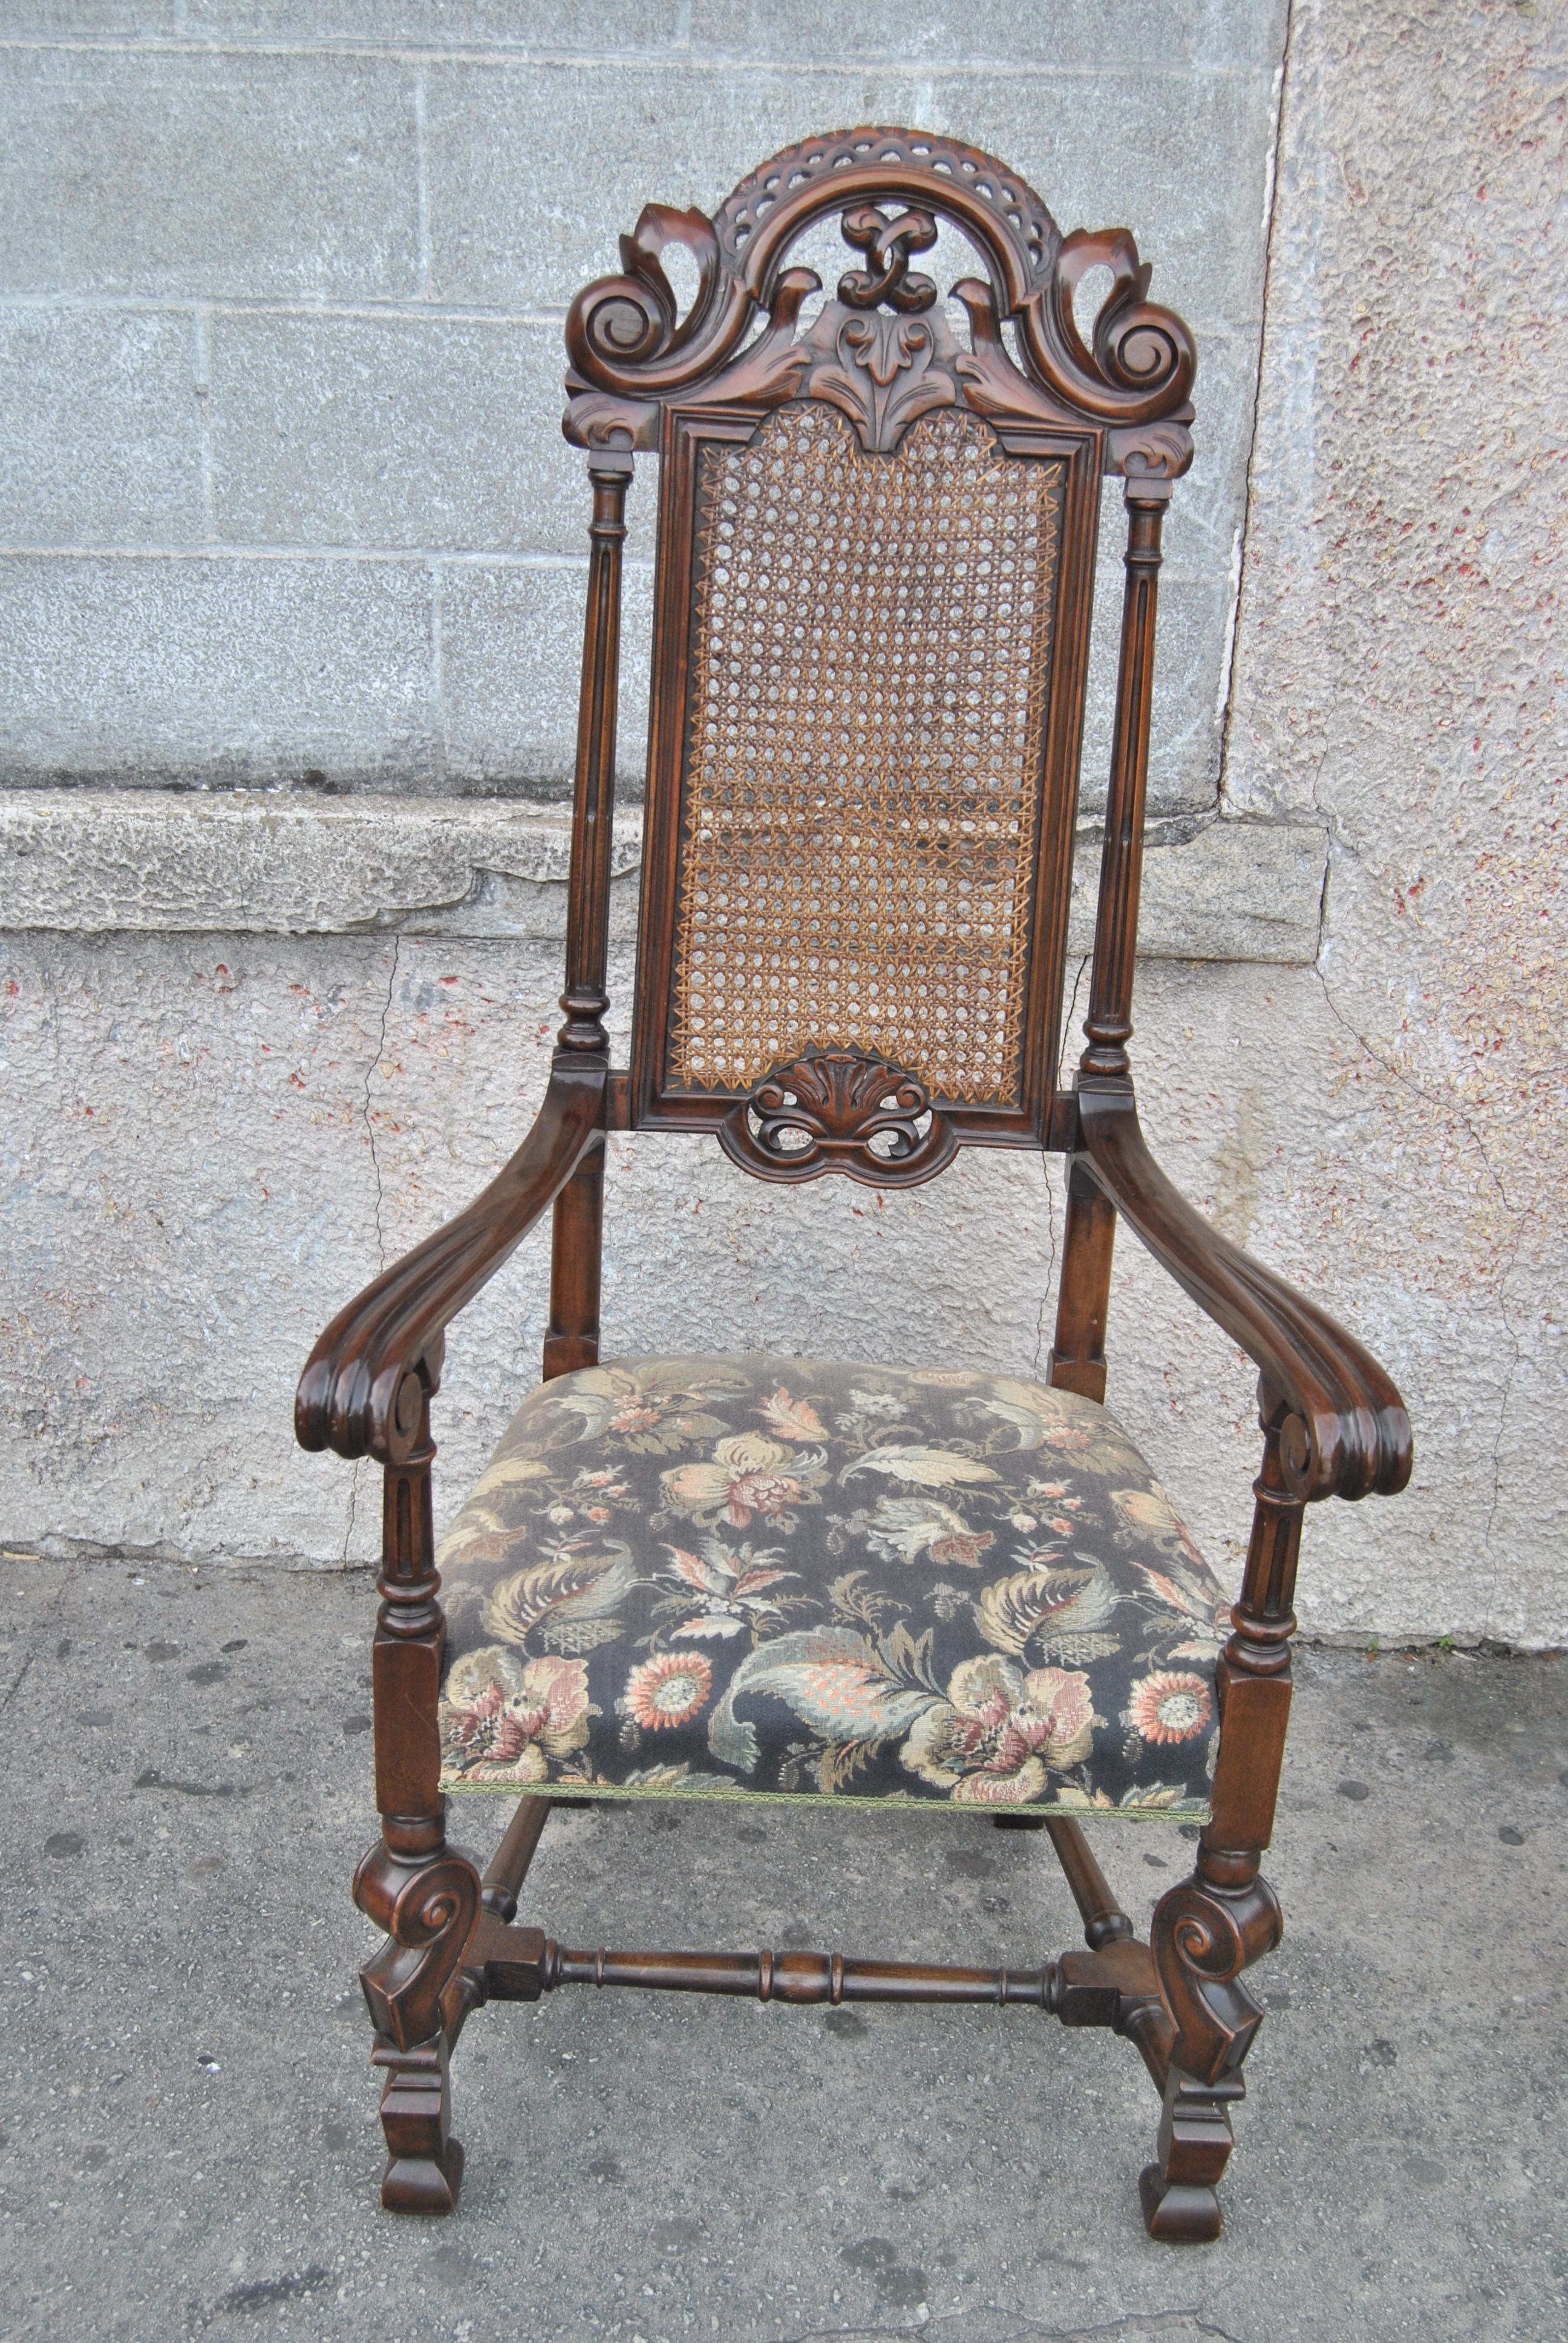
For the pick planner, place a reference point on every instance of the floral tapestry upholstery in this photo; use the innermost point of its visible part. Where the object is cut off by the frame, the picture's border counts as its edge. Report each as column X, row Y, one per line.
column 735, row 1576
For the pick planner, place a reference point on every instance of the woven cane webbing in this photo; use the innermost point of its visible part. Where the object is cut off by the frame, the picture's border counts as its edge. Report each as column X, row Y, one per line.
column 871, row 655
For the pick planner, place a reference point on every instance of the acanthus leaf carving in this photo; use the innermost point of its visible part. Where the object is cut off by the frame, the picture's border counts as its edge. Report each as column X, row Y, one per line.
column 769, row 371
column 882, row 372
column 632, row 352
column 822, row 1112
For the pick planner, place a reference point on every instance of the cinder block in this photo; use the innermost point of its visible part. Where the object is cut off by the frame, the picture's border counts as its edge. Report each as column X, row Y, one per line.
column 1087, row 35
column 125, row 171
column 535, row 171
column 1180, row 159
column 393, row 431
column 149, row 669
column 100, row 436
column 511, row 660
column 1205, row 513
column 1233, row 890
column 288, row 862
column 75, row 19
column 594, row 26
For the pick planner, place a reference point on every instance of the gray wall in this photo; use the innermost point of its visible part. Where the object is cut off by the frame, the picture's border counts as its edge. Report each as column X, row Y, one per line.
column 285, row 512
column 281, row 489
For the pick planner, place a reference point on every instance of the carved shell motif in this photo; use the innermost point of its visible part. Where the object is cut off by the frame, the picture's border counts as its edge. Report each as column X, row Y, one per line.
column 839, row 1111
column 882, row 351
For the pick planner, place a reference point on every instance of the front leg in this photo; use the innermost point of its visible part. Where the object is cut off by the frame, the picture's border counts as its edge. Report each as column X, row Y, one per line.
column 424, row 1893
column 1206, row 1932
column 1212, row 1926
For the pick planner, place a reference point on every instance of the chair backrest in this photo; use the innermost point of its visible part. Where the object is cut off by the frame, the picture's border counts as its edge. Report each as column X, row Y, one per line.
column 875, row 560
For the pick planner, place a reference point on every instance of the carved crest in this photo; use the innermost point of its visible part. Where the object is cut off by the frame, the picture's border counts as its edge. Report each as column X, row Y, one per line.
column 882, row 351
column 839, row 1111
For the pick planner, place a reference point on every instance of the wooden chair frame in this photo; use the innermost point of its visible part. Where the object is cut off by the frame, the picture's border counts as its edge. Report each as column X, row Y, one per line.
column 1333, row 1423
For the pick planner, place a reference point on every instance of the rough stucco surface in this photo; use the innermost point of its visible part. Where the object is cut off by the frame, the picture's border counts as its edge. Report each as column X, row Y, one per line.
column 213, row 1137
column 1399, row 675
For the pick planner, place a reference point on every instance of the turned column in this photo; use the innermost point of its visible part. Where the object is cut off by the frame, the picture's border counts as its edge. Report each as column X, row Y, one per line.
column 577, row 1239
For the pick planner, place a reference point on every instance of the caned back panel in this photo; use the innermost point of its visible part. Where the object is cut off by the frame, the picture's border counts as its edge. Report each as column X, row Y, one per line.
column 860, row 803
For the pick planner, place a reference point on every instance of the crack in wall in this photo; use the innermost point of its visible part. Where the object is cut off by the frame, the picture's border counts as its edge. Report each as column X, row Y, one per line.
column 1243, row 531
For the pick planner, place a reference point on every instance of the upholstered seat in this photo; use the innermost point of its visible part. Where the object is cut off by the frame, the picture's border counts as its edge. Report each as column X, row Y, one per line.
column 704, row 1576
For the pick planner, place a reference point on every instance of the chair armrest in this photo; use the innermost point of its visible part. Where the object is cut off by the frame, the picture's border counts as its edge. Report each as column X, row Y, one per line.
column 1354, row 1437
column 347, row 1394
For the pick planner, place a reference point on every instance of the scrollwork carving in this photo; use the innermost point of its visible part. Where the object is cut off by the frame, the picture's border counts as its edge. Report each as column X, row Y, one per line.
column 1139, row 360
column 427, row 1906
column 632, row 352
column 826, row 1112
column 1202, row 1937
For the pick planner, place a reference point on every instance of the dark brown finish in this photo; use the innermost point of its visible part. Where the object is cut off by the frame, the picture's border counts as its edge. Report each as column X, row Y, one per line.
column 839, row 1111
column 883, row 408
column 424, row 1893
column 1084, row 1299
column 1108, row 1986
column 1104, row 1921
column 508, row 1866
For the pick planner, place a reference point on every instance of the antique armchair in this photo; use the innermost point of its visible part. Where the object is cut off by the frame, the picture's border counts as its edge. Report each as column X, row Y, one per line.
column 737, row 1578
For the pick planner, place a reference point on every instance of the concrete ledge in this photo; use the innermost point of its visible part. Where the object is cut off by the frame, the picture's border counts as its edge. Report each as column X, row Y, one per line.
column 98, row 862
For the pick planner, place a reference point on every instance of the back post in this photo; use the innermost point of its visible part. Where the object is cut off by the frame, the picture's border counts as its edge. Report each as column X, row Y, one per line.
column 1078, row 1352
column 577, row 1226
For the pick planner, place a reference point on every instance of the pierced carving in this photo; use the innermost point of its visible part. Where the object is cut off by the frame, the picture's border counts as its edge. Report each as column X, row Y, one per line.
column 888, row 244
column 805, row 180
column 633, row 353
column 839, row 1111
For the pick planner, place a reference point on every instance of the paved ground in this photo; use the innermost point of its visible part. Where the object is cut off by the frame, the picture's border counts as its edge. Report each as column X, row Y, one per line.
column 192, row 2148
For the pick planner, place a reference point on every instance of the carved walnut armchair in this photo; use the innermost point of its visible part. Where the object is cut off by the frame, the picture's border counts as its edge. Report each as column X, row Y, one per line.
column 745, row 1577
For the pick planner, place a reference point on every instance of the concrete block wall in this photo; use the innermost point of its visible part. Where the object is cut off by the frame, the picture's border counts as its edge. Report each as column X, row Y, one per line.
column 282, row 493
column 289, row 568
